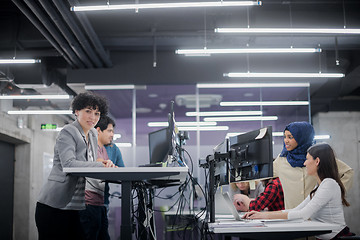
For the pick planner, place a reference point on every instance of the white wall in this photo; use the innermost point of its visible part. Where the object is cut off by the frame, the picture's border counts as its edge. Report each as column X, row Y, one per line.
column 344, row 129
column 42, row 142
column 30, row 144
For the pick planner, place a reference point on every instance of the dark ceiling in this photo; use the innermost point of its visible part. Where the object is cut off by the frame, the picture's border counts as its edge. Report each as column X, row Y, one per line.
column 120, row 47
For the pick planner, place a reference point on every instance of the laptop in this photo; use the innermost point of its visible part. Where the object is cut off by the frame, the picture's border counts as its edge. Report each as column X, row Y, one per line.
column 221, row 208
column 238, row 216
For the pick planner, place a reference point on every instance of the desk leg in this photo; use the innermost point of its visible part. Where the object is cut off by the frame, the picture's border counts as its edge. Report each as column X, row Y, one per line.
column 152, row 219
column 126, row 225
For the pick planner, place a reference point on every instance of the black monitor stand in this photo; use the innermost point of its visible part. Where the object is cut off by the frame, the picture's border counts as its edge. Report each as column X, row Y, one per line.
column 211, row 161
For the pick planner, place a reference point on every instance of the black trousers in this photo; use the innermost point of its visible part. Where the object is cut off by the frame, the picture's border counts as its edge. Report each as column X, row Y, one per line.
column 94, row 222
column 53, row 223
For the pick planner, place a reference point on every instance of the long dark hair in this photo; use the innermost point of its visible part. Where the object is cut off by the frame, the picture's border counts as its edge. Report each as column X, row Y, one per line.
column 327, row 167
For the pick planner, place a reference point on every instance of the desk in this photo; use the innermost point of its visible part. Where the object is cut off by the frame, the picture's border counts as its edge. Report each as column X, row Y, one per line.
column 275, row 230
column 127, row 176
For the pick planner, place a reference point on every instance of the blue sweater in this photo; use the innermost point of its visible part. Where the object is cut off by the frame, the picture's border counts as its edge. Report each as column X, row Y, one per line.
column 115, row 156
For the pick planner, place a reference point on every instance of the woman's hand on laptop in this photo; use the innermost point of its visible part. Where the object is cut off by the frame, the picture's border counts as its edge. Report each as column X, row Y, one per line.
column 266, row 215
column 255, row 215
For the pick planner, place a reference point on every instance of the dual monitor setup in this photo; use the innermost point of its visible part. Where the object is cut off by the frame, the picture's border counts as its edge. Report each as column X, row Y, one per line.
column 165, row 144
column 243, row 157
column 247, row 156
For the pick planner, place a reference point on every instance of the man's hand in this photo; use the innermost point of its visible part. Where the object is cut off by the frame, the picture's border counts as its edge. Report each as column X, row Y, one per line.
column 241, row 202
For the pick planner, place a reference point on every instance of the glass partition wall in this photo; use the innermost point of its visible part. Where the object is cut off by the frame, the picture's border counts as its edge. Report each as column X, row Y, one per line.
column 209, row 112
column 246, row 107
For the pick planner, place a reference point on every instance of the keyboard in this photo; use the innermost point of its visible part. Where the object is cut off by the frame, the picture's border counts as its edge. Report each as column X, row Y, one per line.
column 152, row 165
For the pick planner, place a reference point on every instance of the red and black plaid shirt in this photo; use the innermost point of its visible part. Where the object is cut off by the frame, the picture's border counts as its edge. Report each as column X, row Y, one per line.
column 272, row 198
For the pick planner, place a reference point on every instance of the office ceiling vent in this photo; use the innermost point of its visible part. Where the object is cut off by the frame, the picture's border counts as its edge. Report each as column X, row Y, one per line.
column 205, row 100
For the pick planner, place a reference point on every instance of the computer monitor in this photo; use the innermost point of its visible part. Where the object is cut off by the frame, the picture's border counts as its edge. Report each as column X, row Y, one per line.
column 251, row 155
column 159, row 145
column 163, row 143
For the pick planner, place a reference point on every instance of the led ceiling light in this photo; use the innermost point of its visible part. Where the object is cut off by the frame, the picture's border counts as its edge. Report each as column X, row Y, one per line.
column 181, row 124
column 165, row 5
column 250, row 85
column 26, row 97
column 234, row 119
column 109, row 87
column 289, row 30
column 278, row 134
column 40, row 112
column 214, row 128
column 123, row 144
column 222, row 113
column 284, row 75
column 316, row 137
column 321, row 137
column 207, row 52
column 265, row 103
column 52, row 130
column 19, row 61
column 116, row 136
column 281, row 134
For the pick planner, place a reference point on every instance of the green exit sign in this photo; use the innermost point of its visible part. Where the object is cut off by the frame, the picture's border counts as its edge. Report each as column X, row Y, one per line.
column 48, row 126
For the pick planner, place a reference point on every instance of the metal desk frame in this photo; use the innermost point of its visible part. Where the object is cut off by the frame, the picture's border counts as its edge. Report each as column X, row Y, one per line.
column 127, row 177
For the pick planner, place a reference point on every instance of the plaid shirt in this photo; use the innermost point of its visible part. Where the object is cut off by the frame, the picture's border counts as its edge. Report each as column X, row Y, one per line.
column 272, row 198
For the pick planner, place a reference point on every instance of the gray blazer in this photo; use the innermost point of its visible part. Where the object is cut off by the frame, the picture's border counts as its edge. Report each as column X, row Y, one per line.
column 70, row 151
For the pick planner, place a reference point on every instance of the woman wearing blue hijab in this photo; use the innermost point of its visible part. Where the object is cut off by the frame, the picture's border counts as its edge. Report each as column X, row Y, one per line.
column 289, row 165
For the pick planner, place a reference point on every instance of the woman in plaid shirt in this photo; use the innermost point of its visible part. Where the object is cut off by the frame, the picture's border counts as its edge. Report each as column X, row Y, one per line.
column 271, row 199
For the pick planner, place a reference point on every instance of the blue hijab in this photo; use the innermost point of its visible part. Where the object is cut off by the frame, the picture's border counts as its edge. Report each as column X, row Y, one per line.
column 303, row 133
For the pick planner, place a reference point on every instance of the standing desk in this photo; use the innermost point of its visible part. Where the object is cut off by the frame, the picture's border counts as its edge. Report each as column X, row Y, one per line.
column 272, row 230
column 127, row 176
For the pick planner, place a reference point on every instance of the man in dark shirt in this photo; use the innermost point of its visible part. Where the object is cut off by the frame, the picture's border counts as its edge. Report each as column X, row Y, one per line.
column 94, row 218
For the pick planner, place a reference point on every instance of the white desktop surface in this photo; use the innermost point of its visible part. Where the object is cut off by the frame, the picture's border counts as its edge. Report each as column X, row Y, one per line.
column 130, row 173
column 126, row 169
column 281, row 226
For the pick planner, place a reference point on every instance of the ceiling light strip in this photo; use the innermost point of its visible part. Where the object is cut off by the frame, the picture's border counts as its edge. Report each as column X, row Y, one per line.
column 52, row 130
column 223, row 113
column 289, row 30
column 284, row 75
column 123, row 144
column 165, row 5
column 214, row 128
column 206, row 52
column 19, row 61
column 250, row 85
column 316, row 137
column 181, row 124
column 26, row 97
column 234, row 119
column 50, row 112
column 116, row 136
column 280, row 134
column 109, row 87
column 322, row 137
column 264, row 103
